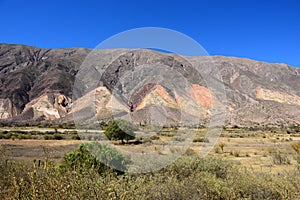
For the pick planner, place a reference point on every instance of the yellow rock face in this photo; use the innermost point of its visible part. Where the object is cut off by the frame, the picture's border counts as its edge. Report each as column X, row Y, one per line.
column 279, row 97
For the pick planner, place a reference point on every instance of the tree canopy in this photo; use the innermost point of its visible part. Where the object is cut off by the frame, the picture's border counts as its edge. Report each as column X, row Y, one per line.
column 120, row 130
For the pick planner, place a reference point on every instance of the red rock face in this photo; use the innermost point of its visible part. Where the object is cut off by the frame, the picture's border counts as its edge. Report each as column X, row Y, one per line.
column 139, row 95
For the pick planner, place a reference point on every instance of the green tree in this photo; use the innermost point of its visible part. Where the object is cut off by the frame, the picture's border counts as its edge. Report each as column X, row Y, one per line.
column 120, row 130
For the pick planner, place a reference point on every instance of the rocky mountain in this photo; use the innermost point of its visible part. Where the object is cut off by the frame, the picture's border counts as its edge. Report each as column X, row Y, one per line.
column 38, row 84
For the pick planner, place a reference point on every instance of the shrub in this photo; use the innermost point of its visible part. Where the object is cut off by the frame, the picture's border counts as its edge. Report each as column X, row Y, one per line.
column 236, row 154
column 190, row 152
column 217, row 150
column 279, row 158
column 179, row 139
column 75, row 137
column 154, row 137
column 222, row 145
column 6, row 136
column 168, row 133
column 48, row 137
column 84, row 158
column 58, row 137
column 120, row 130
column 201, row 139
column 296, row 146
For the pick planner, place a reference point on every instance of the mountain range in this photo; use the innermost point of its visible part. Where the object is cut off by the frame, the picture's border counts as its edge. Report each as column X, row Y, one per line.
column 51, row 85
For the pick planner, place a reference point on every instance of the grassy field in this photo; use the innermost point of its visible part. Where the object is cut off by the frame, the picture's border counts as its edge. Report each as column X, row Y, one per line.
column 244, row 164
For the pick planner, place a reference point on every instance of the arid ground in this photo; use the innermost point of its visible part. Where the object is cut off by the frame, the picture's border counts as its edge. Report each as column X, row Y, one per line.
column 259, row 150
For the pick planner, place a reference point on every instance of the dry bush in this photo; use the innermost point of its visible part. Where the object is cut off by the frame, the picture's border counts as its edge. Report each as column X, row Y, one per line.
column 280, row 159
column 296, row 146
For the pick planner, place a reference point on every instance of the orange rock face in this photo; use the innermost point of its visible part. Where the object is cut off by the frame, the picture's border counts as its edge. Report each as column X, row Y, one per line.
column 163, row 93
column 201, row 95
column 159, row 96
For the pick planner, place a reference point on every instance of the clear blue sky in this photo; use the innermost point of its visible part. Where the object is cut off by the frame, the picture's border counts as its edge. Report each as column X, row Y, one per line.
column 267, row 30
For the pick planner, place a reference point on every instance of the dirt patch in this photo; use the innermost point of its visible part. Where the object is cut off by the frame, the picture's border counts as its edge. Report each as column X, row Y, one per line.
column 37, row 149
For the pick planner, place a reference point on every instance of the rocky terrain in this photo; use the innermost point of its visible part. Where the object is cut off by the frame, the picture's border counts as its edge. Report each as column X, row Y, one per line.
column 37, row 85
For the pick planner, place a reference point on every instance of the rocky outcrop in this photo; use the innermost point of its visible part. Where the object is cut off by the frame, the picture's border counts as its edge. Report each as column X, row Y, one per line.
column 6, row 109
column 49, row 106
column 276, row 96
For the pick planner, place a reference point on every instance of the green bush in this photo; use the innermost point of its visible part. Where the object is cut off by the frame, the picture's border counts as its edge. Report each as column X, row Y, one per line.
column 48, row 137
column 97, row 156
column 5, row 136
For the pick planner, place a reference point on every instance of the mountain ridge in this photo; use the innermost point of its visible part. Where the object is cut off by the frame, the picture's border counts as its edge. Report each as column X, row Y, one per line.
column 28, row 73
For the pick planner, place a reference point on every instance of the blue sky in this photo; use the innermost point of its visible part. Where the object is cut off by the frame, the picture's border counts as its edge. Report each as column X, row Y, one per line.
column 267, row 30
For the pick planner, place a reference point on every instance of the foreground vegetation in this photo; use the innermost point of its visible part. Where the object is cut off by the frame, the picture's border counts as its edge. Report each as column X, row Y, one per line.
column 79, row 177
column 246, row 163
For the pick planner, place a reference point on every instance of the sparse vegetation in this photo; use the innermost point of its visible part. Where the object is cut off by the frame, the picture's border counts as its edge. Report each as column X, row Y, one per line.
column 218, row 176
